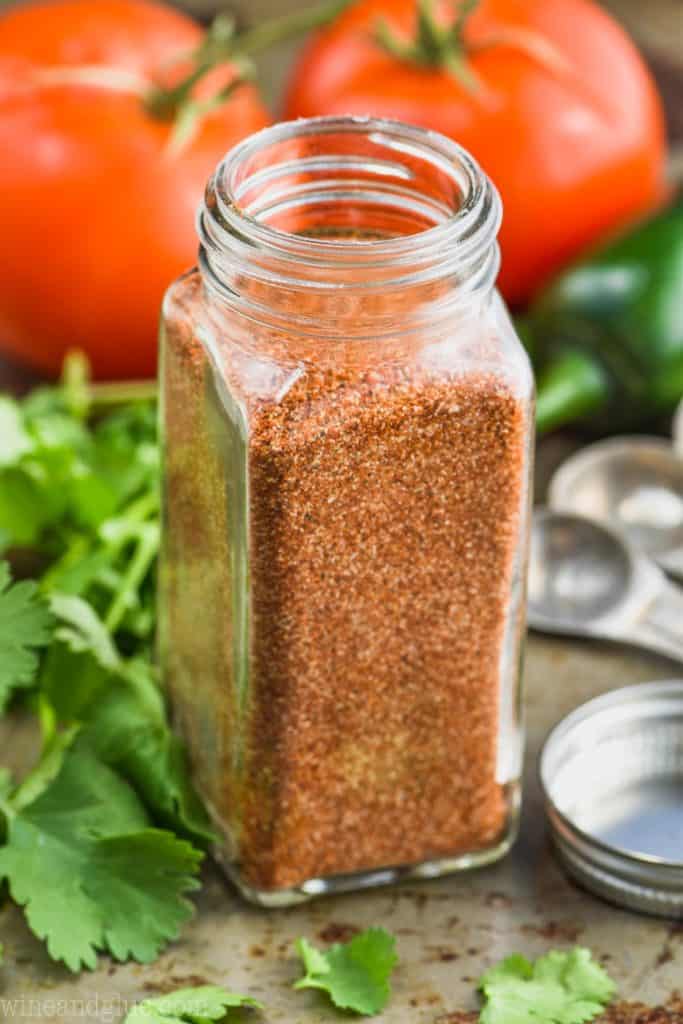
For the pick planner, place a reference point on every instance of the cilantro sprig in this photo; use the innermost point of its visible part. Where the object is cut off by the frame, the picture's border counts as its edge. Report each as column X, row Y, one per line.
column 558, row 988
column 24, row 627
column 197, row 1005
column 90, row 871
column 82, row 493
column 102, row 841
column 354, row 974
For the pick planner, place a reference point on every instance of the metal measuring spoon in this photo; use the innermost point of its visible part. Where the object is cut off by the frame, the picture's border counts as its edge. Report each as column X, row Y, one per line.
column 584, row 580
column 634, row 484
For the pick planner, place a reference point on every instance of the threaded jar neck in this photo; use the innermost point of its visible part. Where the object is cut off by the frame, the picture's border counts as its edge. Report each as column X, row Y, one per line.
column 304, row 214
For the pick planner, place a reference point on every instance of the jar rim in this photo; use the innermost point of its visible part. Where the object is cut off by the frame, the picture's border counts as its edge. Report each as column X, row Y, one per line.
column 478, row 213
column 411, row 174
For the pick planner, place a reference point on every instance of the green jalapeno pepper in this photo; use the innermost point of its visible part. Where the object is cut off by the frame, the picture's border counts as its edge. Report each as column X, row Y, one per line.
column 606, row 337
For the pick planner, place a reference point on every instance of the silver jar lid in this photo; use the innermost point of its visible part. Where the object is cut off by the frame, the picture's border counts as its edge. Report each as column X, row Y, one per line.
column 612, row 779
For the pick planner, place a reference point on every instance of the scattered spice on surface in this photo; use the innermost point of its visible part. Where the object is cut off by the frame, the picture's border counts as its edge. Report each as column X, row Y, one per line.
column 334, row 932
column 498, row 901
column 617, row 1013
column 666, row 955
column 442, row 954
column 457, row 1017
column 554, row 931
column 175, row 981
column 637, row 1013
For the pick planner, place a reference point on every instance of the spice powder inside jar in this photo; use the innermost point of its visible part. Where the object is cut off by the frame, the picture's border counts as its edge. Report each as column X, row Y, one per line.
column 346, row 492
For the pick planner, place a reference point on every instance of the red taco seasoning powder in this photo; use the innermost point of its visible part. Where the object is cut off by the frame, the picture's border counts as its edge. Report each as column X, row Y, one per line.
column 347, row 421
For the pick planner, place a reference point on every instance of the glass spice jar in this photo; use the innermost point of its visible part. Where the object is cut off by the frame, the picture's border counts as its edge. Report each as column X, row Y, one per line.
column 347, row 418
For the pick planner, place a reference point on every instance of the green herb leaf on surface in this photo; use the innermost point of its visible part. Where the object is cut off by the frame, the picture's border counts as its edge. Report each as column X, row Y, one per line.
column 25, row 624
column 192, row 1005
column 559, row 988
column 355, row 974
column 90, row 872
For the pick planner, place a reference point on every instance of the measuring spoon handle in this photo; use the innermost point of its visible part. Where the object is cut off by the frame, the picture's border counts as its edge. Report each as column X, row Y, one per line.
column 672, row 563
column 660, row 626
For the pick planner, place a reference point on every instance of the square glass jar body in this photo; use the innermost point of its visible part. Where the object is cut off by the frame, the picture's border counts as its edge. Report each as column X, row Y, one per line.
column 346, row 495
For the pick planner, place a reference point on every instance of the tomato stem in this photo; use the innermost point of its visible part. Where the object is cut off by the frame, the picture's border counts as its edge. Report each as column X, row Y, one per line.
column 434, row 45
column 457, row 31
column 458, row 68
column 444, row 46
column 223, row 43
column 288, row 26
column 192, row 111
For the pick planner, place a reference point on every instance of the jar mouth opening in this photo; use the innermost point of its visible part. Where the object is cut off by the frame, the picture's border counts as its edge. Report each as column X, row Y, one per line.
column 324, row 209
column 383, row 189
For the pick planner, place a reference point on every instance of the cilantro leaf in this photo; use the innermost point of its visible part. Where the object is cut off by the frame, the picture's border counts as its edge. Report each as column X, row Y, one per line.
column 203, row 1003
column 82, row 630
column 559, row 988
column 23, row 512
column 127, row 729
column 25, row 624
column 87, row 497
column 123, row 717
column 15, row 439
column 48, row 450
column 513, row 968
column 81, row 661
column 355, row 974
column 90, row 872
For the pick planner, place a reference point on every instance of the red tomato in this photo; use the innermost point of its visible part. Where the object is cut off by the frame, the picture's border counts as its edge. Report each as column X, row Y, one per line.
column 97, row 211
column 566, row 119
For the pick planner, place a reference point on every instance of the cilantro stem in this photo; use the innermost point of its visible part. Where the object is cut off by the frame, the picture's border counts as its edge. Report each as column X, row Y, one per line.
column 142, row 508
column 138, row 567
column 48, row 767
column 47, row 719
column 82, row 547
column 76, row 552
column 8, row 813
column 111, row 393
column 75, row 384
column 83, row 396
